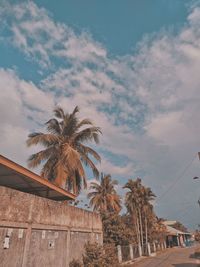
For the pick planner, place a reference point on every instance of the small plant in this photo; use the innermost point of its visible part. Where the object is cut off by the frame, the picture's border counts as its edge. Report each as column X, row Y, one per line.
column 197, row 253
column 75, row 263
column 99, row 256
column 93, row 256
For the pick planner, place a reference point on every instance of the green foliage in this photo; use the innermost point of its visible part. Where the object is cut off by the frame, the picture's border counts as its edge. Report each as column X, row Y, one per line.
column 117, row 229
column 138, row 203
column 158, row 230
column 103, row 197
column 197, row 235
column 98, row 256
column 93, row 255
column 65, row 151
column 75, row 263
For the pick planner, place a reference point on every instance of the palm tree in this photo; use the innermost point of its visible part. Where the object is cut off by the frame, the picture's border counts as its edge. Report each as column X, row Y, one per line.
column 138, row 203
column 104, row 197
column 133, row 202
column 147, row 209
column 65, row 152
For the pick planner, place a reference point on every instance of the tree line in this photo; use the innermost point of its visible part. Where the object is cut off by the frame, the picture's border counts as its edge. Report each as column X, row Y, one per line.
column 66, row 152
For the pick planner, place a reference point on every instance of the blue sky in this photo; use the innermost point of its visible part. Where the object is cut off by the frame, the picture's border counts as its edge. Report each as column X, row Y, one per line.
column 119, row 25
column 116, row 25
column 131, row 66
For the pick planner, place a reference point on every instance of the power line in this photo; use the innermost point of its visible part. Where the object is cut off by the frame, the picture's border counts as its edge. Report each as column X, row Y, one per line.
column 185, row 211
column 177, row 179
column 181, row 212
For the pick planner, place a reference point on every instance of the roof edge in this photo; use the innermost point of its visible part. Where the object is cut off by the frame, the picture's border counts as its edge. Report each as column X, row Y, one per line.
column 25, row 172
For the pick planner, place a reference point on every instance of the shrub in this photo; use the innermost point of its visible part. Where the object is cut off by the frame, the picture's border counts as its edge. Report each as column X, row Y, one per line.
column 117, row 229
column 75, row 263
column 99, row 256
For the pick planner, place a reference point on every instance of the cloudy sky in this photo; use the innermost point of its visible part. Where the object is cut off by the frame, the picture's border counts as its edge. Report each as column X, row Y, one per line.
column 131, row 66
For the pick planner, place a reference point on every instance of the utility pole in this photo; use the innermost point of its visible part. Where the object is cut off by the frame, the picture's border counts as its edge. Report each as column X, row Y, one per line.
column 196, row 178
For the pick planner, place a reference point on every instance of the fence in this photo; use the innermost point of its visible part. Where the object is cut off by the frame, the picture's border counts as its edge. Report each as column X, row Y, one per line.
column 131, row 252
column 128, row 252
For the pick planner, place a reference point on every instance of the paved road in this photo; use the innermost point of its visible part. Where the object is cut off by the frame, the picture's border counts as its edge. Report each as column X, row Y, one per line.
column 177, row 257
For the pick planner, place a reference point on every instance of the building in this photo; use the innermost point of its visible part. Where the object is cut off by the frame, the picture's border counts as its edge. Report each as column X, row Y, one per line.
column 176, row 237
column 37, row 227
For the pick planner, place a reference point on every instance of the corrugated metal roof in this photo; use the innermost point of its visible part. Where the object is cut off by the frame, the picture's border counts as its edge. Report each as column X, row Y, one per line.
column 173, row 231
column 17, row 177
column 169, row 222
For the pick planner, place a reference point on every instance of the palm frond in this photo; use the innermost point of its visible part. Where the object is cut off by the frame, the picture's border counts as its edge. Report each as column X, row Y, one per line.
column 72, row 162
column 43, row 139
column 88, row 134
column 83, row 123
column 91, row 194
column 59, row 113
column 70, row 123
column 53, row 126
column 76, row 110
column 95, row 186
column 88, row 150
column 88, row 162
column 69, row 126
column 49, row 168
column 36, row 159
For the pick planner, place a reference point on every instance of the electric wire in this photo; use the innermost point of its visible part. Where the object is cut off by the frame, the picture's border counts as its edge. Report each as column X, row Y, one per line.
column 177, row 179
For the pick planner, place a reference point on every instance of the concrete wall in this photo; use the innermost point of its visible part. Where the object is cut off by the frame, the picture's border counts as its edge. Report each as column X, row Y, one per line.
column 42, row 232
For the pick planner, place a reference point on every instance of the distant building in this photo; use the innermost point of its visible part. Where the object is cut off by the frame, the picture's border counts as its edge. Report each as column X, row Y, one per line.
column 169, row 222
column 176, row 237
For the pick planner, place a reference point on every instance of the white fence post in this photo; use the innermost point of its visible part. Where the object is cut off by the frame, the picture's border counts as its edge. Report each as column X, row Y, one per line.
column 154, row 247
column 131, row 251
column 140, row 250
column 148, row 249
column 119, row 253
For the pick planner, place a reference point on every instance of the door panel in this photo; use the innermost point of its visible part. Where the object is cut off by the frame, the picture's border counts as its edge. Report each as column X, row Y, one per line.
column 47, row 248
column 12, row 241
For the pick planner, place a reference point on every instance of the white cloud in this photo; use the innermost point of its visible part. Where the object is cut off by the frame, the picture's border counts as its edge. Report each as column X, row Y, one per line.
column 13, row 143
column 147, row 104
column 22, row 107
column 34, row 32
column 120, row 171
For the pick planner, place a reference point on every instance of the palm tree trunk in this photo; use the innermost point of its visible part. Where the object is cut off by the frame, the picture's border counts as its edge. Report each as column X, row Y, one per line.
column 141, row 228
column 60, row 178
column 74, row 187
column 146, row 230
column 138, row 229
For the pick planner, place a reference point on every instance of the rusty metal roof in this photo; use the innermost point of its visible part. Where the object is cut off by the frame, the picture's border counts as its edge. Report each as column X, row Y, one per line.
column 17, row 177
column 173, row 231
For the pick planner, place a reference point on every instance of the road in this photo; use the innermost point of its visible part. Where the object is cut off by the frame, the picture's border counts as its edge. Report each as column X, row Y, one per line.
column 176, row 257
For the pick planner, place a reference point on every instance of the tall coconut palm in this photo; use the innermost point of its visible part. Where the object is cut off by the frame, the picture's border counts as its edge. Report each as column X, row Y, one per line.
column 133, row 202
column 65, row 151
column 147, row 208
column 138, row 203
column 104, row 196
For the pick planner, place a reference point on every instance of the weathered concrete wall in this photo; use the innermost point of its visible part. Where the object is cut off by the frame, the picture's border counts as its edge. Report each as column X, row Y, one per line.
column 42, row 232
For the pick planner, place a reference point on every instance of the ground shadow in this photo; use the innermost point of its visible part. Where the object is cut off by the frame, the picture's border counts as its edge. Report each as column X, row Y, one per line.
column 194, row 256
column 186, row 265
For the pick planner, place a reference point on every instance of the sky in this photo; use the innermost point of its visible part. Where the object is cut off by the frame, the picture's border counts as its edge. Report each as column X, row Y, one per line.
column 131, row 66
